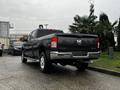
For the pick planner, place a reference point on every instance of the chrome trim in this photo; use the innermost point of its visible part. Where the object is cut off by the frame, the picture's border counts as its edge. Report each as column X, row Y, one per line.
column 55, row 52
column 69, row 55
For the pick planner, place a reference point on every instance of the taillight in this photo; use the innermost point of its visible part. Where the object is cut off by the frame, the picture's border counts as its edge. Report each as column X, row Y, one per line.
column 98, row 43
column 54, row 41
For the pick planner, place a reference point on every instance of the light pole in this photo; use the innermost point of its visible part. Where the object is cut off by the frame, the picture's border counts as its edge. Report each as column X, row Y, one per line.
column 91, row 7
column 46, row 25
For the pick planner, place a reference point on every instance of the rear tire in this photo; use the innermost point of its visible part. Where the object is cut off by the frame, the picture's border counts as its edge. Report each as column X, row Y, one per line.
column 82, row 66
column 44, row 63
column 23, row 59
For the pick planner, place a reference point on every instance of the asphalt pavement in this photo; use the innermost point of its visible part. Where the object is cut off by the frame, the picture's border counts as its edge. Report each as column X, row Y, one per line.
column 15, row 75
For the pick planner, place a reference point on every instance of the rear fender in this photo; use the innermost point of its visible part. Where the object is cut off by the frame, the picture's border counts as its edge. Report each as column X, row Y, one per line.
column 47, row 52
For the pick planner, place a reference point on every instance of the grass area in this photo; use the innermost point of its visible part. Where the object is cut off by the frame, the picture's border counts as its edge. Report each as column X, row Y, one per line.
column 105, row 62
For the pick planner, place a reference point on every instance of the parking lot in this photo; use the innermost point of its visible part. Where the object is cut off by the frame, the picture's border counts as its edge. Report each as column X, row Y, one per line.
column 15, row 75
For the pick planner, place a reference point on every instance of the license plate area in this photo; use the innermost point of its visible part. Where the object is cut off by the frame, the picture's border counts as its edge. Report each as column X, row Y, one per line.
column 79, row 53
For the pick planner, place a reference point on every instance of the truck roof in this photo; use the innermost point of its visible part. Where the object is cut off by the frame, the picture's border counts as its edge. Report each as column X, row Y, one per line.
column 42, row 32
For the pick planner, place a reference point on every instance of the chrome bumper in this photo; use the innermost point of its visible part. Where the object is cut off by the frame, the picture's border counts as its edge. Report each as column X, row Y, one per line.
column 69, row 55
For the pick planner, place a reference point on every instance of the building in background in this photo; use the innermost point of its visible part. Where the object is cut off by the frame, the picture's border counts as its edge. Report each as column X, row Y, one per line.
column 4, row 33
column 16, row 37
column 4, row 29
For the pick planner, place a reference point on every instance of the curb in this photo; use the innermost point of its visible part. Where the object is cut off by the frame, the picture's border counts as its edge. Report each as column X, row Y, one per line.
column 102, row 70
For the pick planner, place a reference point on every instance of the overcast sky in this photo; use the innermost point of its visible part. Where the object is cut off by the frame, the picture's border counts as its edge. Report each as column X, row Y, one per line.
column 26, row 15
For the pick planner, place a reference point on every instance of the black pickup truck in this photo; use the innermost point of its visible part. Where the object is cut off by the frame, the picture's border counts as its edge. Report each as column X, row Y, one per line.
column 54, row 46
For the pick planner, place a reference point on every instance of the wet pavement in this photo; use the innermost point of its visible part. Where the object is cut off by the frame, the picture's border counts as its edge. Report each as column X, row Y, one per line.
column 15, row 75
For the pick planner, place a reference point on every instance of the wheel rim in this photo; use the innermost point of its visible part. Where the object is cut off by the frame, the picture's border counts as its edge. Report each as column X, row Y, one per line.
column 42, row 62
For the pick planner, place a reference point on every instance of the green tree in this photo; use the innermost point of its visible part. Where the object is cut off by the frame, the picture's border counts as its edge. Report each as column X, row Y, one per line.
column 84, row 24
column 105, row 31
column 118, row 35
column 24, row 38
column 81, row 25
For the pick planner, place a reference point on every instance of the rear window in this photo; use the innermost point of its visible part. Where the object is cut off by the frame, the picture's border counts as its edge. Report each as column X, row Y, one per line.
column 44, row 32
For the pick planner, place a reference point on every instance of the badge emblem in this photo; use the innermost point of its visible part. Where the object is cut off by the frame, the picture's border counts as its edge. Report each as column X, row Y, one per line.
column 79, row 42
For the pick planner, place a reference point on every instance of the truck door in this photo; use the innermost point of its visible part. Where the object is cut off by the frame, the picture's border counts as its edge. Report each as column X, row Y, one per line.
column 34, row 43
column 28, row 46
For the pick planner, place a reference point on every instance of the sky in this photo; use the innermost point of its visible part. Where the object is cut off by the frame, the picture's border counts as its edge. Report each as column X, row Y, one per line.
column 26, row 15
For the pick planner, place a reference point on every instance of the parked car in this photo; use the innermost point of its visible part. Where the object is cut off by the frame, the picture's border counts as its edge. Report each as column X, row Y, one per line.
column 1, row 49
column 16, row 48
column 54, row 46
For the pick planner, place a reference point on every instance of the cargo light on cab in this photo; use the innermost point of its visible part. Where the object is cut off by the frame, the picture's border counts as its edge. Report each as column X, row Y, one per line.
column 54, row 41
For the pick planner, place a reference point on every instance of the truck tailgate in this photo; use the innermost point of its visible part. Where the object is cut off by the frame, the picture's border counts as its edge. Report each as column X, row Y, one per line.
column 75, row 43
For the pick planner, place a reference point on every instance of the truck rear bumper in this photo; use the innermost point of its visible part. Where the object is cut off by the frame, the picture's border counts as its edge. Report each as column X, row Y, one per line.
column 69, row 55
